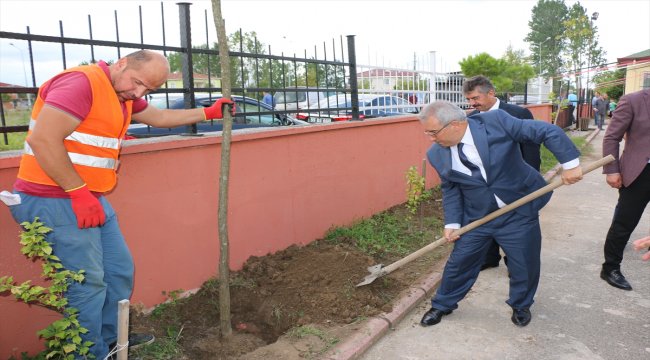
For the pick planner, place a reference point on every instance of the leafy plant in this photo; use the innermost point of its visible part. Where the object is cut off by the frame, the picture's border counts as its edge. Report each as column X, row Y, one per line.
column 415, row 190
column 63, row 336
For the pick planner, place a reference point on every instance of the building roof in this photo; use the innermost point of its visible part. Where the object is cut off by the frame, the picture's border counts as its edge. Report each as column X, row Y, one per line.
column 641, row 56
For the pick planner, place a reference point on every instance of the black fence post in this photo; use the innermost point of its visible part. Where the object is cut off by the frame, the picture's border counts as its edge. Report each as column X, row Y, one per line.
column 354, row 89
column 187, row 68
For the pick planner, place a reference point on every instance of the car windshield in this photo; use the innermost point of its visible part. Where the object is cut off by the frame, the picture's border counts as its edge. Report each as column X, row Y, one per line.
column 243, row 108
column 282, row 97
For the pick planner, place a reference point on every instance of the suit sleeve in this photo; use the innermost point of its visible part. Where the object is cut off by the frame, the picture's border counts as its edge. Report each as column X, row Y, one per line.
column 616, row 129
column 540, row 132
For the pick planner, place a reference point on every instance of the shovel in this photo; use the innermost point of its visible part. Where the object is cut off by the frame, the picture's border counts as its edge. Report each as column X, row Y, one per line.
column 379, row 270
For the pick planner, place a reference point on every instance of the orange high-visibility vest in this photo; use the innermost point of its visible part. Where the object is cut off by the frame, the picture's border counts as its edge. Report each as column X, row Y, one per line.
column 95, row 144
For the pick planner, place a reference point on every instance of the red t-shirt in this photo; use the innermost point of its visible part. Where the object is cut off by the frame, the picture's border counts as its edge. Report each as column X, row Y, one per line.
column 70, row 93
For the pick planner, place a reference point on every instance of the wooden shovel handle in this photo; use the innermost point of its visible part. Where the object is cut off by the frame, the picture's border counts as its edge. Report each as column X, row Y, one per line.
column 491, row 216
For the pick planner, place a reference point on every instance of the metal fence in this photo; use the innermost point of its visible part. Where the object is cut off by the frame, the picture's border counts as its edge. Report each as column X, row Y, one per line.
column 324, row 71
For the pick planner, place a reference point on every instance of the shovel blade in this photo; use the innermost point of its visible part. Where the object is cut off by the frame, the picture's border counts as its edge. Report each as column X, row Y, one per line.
column 375, row 272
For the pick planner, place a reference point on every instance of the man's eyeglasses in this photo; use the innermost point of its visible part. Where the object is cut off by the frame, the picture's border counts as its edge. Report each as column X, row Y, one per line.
column 436, row 132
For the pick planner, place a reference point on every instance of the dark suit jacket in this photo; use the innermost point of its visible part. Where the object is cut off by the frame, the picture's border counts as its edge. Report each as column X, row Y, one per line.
column 497, row 136
column 530, row 151
column 631, row 117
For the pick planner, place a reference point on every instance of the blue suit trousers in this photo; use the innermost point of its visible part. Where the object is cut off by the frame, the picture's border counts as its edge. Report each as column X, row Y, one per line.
column 520, row 238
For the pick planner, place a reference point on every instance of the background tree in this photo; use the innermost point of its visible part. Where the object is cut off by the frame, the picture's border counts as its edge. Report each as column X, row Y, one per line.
column 508, row 73
column 611, row 83
column 581, row 48
column 547, row 22
column 517, row 69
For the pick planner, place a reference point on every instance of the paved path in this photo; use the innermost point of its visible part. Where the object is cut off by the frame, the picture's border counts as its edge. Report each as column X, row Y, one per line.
column 576, row 315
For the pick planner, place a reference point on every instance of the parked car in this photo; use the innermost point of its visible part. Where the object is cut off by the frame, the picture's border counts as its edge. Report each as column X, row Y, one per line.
column 370, row 106
column 519, row 99
column 304, row 98
column 247, row 116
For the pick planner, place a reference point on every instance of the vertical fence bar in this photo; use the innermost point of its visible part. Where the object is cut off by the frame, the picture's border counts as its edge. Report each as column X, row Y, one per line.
column 31, row 68
column 164, row 42
column 353, row 78
column 62, row 45
column 241, row 61
column 117, row 35
column 187, row 68
column 207, row 46
column 141, row 27
column 90, row 33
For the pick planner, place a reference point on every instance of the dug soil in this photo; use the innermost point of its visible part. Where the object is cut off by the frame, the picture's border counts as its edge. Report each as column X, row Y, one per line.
column 295, row 304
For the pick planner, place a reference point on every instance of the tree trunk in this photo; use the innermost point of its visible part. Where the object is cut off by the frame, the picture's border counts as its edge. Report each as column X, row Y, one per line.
column 224, row 270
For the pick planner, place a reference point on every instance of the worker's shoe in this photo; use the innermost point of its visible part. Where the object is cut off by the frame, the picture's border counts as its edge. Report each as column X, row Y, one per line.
column 433, row 316
column 521, row 317
column 615, row 278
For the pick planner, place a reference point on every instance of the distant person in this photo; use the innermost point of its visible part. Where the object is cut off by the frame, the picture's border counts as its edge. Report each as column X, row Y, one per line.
column 594, row 102
column 600, row 110
column 69, row 163
column 413, row 98
column 643, row 244
column 268, row 99
column 480, row 95
column 481, row 169
column 573, row 105
column 612, row 107
column 630, row 174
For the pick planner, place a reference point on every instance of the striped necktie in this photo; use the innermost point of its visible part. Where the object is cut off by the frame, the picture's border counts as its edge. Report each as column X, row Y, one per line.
column 476, row 172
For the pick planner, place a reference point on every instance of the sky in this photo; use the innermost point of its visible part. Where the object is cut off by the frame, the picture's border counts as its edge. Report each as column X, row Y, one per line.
column 389, row 33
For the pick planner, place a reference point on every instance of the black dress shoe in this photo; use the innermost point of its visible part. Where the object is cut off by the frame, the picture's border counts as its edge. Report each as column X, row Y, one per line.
column 489, row 265
column 616, row 279
column 521, row 317
column 433, row 316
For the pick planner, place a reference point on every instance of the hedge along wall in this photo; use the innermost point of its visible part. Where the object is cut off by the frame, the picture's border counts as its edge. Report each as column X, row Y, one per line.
column 287, row 186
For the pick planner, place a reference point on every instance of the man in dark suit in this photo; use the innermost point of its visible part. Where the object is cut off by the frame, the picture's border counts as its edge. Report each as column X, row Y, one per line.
column 481, row 169
column 480, row 95
column 630, row 174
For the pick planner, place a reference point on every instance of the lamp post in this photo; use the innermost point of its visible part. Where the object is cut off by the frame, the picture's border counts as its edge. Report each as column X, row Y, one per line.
column 594, row 17
column 22, row 58
column 539, row 73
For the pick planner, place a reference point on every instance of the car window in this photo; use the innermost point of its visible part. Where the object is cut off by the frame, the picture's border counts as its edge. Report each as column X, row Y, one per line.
column 267, row 119
column 282, row 97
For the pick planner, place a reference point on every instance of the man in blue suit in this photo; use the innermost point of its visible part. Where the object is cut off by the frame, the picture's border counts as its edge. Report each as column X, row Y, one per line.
column 480, row 95
column 481, row 169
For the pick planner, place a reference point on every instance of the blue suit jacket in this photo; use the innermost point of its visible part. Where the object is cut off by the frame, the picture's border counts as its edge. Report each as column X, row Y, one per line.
column 530, row 151
column 497, row 136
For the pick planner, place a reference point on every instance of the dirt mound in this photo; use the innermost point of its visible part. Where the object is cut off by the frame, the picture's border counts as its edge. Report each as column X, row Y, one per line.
column 309, row 291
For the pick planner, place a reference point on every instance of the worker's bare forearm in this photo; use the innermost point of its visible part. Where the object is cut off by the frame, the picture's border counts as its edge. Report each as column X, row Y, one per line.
column 165, row 118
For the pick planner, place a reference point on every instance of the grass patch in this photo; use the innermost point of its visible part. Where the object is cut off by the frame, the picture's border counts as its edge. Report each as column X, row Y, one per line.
column 302, row 332
column 387, row 233
column 14, row 141
column 166, row 348
column 549, row 161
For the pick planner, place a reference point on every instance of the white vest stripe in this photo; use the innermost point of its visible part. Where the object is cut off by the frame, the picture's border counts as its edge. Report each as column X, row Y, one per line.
column 87, row 139
column 81, row 159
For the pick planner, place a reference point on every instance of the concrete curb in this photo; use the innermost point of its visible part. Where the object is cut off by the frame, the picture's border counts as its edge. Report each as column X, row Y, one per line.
column 378, row 326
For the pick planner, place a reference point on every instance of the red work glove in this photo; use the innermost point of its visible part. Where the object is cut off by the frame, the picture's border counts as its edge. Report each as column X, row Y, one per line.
column 215, row 111
column 87, row 208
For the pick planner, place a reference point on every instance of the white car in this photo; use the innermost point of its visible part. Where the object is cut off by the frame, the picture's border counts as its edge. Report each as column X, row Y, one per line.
column 370, row 106
column 302, row 98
